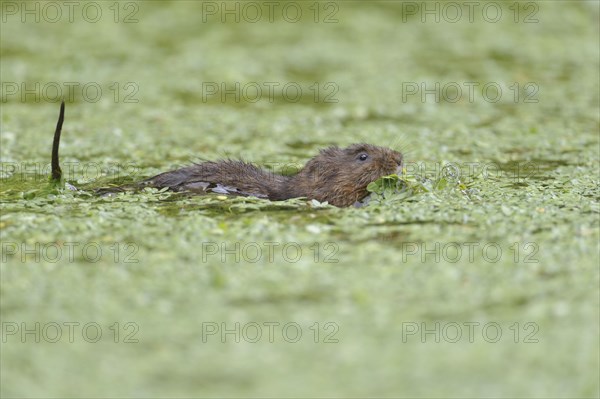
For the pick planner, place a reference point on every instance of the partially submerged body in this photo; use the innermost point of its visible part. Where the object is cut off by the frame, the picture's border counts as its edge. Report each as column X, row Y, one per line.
column 337, row 175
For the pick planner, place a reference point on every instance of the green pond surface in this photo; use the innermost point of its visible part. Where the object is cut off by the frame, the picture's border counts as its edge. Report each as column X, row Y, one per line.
column 475, row 275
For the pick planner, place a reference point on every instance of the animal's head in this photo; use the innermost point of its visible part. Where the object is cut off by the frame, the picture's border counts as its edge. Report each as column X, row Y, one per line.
column 341, row 175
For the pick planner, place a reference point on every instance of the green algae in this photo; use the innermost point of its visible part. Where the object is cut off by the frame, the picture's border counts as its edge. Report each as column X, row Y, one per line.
column 513, row 176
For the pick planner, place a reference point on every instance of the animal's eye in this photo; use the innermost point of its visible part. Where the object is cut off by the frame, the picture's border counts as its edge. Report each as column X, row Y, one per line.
column 363, row 157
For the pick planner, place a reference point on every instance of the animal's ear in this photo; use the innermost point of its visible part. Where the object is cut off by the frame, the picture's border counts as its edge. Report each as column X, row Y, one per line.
column 330, row 151
column 356, row 149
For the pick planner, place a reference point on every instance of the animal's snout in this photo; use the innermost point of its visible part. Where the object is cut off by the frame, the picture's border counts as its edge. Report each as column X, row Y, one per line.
column 399, row 163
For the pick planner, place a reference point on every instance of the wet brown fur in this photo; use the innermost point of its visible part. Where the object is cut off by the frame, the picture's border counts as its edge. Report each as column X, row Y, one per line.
column 336, row 175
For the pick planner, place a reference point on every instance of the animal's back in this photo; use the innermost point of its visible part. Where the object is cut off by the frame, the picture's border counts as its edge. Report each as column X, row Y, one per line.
column 226, row 177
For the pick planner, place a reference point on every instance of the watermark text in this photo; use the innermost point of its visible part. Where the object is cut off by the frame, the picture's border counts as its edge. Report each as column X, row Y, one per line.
column 54, row 92
column 69, row 252
column 270, row 331
column 470, row 331
column 69, row 11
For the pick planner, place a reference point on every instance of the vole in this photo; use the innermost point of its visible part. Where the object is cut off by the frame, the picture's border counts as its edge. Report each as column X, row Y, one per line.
column 337, row 175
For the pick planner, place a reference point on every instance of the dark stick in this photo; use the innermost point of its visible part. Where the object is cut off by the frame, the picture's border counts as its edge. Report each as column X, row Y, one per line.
column 56, row 171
